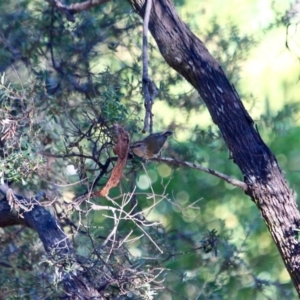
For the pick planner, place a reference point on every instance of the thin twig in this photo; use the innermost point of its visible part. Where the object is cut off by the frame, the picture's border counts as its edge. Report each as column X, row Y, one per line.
column 125, row 216
column 149, row 89
column 233, row 181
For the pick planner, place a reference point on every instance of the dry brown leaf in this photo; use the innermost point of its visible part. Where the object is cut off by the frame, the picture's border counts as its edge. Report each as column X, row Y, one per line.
column 121, row 150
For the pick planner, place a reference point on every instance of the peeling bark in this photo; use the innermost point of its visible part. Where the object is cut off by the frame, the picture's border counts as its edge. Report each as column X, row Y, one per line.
column 266, row 185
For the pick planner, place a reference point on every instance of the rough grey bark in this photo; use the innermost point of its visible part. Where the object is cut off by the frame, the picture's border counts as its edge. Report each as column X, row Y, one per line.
column 55, row 241
column 266, row 185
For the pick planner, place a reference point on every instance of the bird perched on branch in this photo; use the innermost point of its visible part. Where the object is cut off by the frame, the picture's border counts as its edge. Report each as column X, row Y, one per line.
column 151, row 145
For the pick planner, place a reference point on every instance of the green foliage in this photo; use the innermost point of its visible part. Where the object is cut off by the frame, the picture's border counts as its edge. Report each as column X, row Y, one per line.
column 64, row 85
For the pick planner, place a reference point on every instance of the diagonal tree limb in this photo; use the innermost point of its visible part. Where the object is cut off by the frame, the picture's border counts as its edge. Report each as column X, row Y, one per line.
column 55, row 241
column 86, row 5
column 70, row 10
column 233, row 181
column 28, row 212
column 267, row 187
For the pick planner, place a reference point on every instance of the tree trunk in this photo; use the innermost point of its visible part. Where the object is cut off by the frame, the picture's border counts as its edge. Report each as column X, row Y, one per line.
column 185, row 53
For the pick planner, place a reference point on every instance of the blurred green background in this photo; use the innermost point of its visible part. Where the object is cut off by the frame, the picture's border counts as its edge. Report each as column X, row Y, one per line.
column 260, row 55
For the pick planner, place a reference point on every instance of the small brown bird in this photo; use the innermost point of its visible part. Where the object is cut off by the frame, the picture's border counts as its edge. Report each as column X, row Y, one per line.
column 151, row 145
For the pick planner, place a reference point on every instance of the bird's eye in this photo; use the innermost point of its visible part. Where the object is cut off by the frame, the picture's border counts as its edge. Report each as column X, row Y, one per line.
column 137, row 145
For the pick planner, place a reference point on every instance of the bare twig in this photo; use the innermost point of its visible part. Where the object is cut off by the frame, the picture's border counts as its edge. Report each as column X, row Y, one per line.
column 149, row 89
column 235, row 182
column 126, row 216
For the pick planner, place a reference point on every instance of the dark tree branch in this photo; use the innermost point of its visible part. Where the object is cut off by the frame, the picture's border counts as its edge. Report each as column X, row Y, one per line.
column 63, row 9
column 9, row 217
column 70, row 10
column 36, row 217
column 86, row 5
column 55, row 241
column 185, row 53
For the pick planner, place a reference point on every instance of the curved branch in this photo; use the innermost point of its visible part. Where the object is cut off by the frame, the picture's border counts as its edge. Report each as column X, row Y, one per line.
column 235, row 182
column 36, row 217
column 55, row 241
column 86, row 5
column 72, row 9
